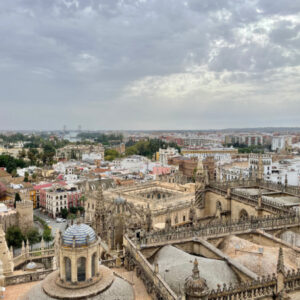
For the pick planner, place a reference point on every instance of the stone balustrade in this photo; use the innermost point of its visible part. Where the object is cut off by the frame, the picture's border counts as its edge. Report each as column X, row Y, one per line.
column 30, row 255
column 221, row 228
column 267, row 205
column 27, row 277
column 262, row 287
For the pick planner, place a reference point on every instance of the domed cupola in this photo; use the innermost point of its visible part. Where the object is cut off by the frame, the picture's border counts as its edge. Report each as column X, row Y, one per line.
column 195, row 286
column 119, row 200
column 80, row 234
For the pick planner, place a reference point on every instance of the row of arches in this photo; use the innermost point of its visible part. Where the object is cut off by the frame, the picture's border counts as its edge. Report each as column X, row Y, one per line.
column 81, row 268
column 243, row 214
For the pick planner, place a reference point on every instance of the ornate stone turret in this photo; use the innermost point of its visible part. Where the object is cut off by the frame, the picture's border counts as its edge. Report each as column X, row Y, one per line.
column 168, row 221
column 148, row 219
column 200, row 183
column 5, row 255
column 25, row 214
column 280, row 262
column 259, row 203
column 280, row 273
column 195, row 287
column 100, row 217
column 192, row 213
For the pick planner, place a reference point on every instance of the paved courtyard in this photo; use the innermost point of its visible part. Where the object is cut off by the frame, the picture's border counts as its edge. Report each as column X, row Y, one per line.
column 14, row 292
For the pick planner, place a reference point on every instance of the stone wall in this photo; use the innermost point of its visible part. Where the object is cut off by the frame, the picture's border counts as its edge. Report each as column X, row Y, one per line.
column 26, row 277
column 25, row 215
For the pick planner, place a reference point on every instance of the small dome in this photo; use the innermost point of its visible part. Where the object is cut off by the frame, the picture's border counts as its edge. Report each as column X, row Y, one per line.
column 195, row 285
column 80, row 232
column 120, row 200
column 31, row 266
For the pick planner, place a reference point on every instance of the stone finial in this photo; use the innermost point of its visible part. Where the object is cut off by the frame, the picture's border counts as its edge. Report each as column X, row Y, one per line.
column 156, row 268
column 286, row 180
column 27, row 245
column 23, row 247
column 42, row 243
column 196, row 273
column 280, row 262
column 259, row 200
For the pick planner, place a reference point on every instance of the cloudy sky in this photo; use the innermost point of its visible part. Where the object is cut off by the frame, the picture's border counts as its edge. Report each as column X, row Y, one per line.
column 149, row 64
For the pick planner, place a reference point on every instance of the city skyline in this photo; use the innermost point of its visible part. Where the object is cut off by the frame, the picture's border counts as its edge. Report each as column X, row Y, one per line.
column 149, row 65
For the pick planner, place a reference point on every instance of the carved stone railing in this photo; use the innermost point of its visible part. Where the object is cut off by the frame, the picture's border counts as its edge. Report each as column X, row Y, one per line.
column 257, row 289
column 26, row 277
column 292, row 280
column 290, row 189
column 220, row 228
column 268, row 205
column 264, row 287
column 153, row 281
column 31, row 255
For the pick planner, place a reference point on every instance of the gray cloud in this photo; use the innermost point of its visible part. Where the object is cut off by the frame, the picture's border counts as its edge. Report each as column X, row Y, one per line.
column 148, row 64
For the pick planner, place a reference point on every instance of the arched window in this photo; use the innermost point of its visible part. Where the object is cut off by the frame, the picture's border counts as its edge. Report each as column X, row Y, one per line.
column 81, row 262
column 243, row 214
column 94, row 261
column 218, row 205
column 68, row 268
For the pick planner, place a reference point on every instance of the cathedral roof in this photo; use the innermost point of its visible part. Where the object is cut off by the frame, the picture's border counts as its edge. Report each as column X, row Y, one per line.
column 81, row 232
column 175, row 266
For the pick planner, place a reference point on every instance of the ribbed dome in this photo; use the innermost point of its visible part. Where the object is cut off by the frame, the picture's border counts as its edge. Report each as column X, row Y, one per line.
column 119, row 200
column 80, row 232
column 31, row 265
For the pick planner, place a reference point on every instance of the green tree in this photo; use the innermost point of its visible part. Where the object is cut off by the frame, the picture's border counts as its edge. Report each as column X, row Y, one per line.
column 11, row 163
column 26, row 177
column 111, row 154
column 22, row 154
column 64, row 213
column 47, row 235
column 81, row 209
column 82, row 200
column 73, row 210
column 32, row 155
column 14, row 173
column 14, row 237
column 17, row 198
column 33, row 236
column 48, row 154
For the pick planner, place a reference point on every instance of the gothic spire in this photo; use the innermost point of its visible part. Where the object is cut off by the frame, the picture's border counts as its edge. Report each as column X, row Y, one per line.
column 280, row 262
column 99, row 199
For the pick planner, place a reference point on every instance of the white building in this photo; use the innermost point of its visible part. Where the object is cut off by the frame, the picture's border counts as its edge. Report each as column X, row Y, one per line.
column 279, row 142
column 165, row 154
column 289, row 168
column 266, row 162
column 91, row 157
